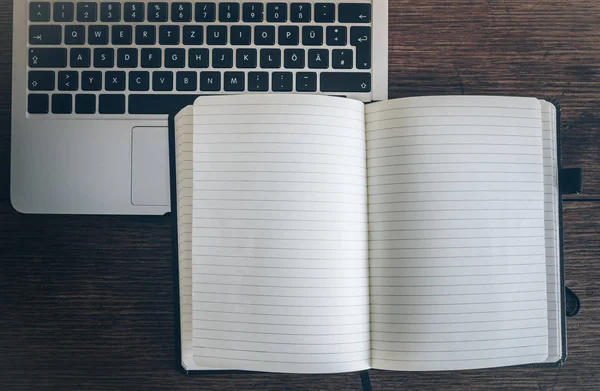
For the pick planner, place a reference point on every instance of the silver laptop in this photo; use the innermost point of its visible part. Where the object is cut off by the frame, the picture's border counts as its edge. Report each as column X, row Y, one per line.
column 94, row 82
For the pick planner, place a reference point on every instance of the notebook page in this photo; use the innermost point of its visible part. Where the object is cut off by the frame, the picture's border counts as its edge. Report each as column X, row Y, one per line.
column 183, row 158
column 279, row 222
column 456, row 222
column 551, row 225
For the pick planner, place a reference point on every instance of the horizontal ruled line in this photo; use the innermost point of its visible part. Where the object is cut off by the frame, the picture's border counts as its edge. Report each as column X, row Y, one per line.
column 450, row 144
column 290, row 334
column 463, row 359
column 287, row 305
column 280, row 361
column 460, row 350
column 288, row 343
column 301, row 296
column 455, row 285
column 459, row 332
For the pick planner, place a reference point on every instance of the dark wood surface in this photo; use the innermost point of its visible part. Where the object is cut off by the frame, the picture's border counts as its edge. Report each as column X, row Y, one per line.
column 86, row 301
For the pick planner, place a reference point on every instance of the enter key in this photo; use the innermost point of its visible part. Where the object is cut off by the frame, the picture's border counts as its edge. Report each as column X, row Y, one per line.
column 360, row 37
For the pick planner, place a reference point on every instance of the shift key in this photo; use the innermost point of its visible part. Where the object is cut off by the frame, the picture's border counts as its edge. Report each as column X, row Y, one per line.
column 345, row 82
column 47, row 58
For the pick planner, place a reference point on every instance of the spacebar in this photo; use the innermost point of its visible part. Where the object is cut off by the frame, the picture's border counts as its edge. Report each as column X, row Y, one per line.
column 159, row 104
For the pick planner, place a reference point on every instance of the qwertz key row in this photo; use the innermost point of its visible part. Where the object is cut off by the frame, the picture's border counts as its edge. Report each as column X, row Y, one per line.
column 149, row 58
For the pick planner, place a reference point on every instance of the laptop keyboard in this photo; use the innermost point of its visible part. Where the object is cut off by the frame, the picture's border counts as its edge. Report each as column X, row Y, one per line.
column 154, row 57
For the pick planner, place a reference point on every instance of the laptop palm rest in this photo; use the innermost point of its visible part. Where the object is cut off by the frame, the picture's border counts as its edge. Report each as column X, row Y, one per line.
column 150, row 166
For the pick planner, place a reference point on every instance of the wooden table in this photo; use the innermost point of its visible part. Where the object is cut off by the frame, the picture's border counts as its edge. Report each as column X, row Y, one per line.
column 86, row 301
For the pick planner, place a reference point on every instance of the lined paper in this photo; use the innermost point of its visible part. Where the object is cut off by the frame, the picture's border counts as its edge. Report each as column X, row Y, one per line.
column 551, row 225
column 183, row 148
column 457, row 242
column 279, row 234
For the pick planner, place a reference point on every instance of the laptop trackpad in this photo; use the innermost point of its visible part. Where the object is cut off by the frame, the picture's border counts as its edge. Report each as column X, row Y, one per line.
column 150, row 166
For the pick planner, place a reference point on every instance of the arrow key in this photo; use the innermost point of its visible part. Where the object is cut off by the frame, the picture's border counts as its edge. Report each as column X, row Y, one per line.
column 360, row 37
column 68, row 80
column 355, row 13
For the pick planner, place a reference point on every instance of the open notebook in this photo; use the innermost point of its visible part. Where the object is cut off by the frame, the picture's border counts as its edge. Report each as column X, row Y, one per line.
column 319, row 234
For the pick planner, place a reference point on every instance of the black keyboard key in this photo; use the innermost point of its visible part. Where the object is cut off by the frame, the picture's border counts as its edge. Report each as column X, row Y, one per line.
column 145, row 35
column 151, row 58
column 229, row 12
column 293, row 58
column 282, row 81
column 222, row 58
column 175, row 58
column 193, row 35
column 162, row 81
column 37, row 103
column 168, row 35
column 127, row 58
column 288, row 35
column 345, row 82
column 216, row 35
column 360, row 37
column 186, row 81
column 270, row 58
column 277, row 12
column 198, row 58
column 114, row 81
column 111, row 104
column 206, row 12
column 337, row 35
column 181, row 12
column 306, row 82
column 318, row 58
column 91, row 80
column 158, row 12
column 264, row 35
column 98, row 35
column 354, row 13
column 63, row 12
column 75, row 35
column 62, row 104
column 110, row 12
column 81, row 58
column 258, row 81
column 253, row 12
column 122, row 35
column 47, row 58
column 104, row 58
column 210, row 81
column 68, row 80
column 158, row 103
column 246, row 58
column 300, row 12
column 312, row 35
column 342, row 59
column 39, row 12
column 240, row 35
column 41, row 80
column 139, row 81
column 133, row 12
column 234, row 81
column 45, row 34
column 325, row 13
column 85, row 104
column 87, row 12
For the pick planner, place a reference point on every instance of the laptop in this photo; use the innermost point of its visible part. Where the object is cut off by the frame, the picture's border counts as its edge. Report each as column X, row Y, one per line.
column 95, row 81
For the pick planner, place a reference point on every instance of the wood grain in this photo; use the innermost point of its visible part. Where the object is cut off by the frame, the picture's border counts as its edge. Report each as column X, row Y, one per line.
column 86, row 301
